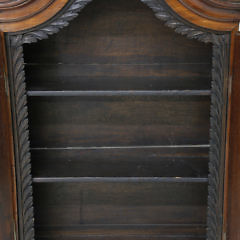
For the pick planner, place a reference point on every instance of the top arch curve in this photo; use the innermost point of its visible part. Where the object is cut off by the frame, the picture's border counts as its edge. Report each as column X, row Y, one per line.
column 23, row 15
column 75, row 6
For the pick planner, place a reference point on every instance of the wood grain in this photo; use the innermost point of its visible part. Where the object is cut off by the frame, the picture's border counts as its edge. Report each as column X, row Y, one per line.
column 8, row 200
column 193, row 15
column 29, row 14
column 125, row 162
column 157, row 76
column 118, row 231
column 66, row 204
column 118, row 120
column 232, row 192
column 114, row 33
column 24, row 15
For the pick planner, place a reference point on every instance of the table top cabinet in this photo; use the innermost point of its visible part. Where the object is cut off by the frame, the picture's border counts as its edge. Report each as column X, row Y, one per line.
column 119, row 119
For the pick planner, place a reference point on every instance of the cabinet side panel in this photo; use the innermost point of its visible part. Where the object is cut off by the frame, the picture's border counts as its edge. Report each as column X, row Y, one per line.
column 8, row 215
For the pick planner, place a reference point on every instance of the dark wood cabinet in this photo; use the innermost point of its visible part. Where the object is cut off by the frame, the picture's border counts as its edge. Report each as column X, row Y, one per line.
column 124, row 125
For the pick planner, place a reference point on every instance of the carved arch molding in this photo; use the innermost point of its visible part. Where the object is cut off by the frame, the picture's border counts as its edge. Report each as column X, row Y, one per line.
column 220, row 71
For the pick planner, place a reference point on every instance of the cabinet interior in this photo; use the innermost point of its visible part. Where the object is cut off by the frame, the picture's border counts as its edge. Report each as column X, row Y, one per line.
column 119, row 113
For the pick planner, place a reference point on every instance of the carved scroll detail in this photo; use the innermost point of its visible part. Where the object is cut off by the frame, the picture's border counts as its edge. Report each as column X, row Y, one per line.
column 172, row 21
column 216, row 164
column 217, row 137
column 21, row 116
column 56, row 24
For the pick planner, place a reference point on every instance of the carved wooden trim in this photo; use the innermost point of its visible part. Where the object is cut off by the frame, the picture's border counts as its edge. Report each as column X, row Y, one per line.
column 227, row 4
column 171, row 20
column 22, row 146
column 71, row 11
column 218, row 107
column 25, row 14
column 217, row 136
column 213, row 9
column 21, row 15
column 57, row 23
column 193, row 15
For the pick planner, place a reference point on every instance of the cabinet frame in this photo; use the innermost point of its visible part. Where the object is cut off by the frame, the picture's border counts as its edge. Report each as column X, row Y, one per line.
column 223, row 190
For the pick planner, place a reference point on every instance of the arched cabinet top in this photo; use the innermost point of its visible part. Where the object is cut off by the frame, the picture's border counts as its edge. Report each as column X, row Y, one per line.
column 24, row 15
column 27, row 21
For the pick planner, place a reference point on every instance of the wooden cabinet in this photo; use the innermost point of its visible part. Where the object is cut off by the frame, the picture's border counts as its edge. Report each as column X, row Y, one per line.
column 124, row 124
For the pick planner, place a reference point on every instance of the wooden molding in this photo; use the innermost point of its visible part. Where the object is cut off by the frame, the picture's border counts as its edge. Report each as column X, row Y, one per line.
column 23, row 15
column 231, row 225
column 223, row 3
column 213, row 10
column 8, row 196
column 28, row 14
column 21, row 143
column 28, row 21
column 200, row 14
column 218, row 109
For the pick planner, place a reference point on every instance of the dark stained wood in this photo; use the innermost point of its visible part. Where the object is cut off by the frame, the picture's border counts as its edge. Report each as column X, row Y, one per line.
column 117, row 32
column 232, row 208
column 96, row 202
column 119, row 180
column 168, row 76
column 118, row 231
column 8, row 205
column 118, row 121
column 18, row 15
column 119, row 93
column 125, row 162
column 131, row 237
column 119, row 109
